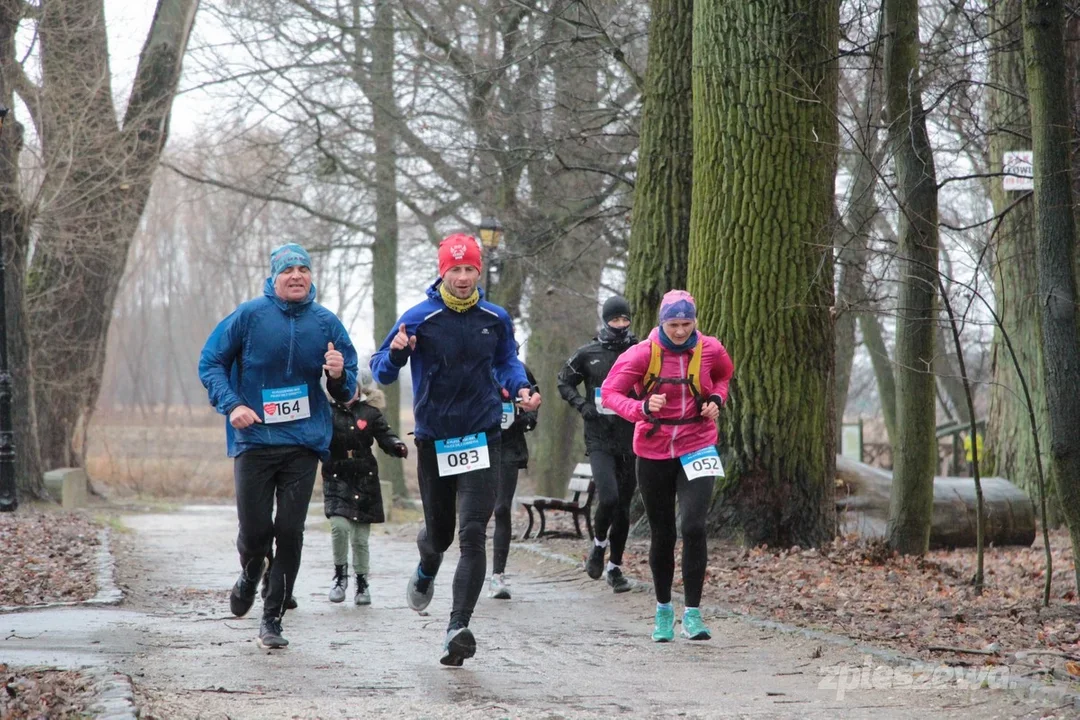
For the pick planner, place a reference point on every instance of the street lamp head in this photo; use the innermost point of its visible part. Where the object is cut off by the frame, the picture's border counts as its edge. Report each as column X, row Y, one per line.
column 491, row 231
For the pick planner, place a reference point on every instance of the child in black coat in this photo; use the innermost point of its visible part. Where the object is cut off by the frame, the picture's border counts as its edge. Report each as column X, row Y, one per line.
column 351, row 490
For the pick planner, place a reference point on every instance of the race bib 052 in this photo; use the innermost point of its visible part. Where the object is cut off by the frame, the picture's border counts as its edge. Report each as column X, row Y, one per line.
column 702, row 463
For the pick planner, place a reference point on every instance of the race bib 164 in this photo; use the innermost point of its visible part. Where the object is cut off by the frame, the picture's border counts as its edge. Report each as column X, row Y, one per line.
column 281, row 405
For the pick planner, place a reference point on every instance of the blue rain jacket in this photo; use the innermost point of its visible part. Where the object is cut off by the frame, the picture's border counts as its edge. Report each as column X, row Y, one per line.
column 268, row 344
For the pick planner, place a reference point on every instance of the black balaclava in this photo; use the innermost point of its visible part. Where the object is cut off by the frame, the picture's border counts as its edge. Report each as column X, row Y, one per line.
column 615, row 306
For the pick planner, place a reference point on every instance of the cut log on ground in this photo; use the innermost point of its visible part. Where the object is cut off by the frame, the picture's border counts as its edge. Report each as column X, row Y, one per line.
column 862, row 503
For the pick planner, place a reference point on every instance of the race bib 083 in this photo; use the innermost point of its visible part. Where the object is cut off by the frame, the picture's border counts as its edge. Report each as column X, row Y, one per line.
column 461, row 455
column 281, row 405
column 702, row 463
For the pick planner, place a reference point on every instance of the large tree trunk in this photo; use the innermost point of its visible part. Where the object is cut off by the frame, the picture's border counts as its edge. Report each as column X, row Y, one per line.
column 385, row 246
column 660, row 231
column 97, row 180
column 1055, row 249
column 914, row 443
column 760, row 255
column 1010, row 447
column 15, row 247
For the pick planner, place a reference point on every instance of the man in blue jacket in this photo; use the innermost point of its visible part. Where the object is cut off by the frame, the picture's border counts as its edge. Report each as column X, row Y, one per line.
column 462, row 352
column 262, row 366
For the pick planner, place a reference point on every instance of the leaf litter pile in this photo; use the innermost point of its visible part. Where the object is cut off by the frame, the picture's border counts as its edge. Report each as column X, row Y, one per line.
column 45, row 557
column 924, row 607
column 920, row 607
column 44, row 694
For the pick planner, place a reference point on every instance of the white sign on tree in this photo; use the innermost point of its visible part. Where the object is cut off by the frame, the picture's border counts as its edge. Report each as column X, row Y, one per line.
column 1019, row 170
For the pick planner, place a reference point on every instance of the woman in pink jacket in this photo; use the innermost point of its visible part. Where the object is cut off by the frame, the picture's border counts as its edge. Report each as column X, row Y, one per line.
column 683, row 377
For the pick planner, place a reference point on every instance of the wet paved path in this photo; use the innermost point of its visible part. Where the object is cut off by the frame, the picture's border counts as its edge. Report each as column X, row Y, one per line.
column 563, row 647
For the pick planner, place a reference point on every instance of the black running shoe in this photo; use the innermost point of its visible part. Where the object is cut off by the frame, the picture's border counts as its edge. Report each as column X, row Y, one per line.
column 595, row 564
column 617, row 580
column 270, row 634
column 459, row 646
column 243, row 592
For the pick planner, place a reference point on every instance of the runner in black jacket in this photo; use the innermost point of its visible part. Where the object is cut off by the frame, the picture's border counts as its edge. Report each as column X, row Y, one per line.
column 608, row 439
column 515, row 457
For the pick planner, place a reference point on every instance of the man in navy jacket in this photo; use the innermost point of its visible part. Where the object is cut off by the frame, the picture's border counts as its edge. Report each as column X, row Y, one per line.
column 262, row 367
column 462, row 354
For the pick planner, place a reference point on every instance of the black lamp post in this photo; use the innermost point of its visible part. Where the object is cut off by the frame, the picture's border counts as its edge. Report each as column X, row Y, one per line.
column 491, row 232
column 9, row 501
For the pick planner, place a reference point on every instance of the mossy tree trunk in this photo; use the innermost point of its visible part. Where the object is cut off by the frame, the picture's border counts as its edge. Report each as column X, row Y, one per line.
column 765, row 135
column 914, row 445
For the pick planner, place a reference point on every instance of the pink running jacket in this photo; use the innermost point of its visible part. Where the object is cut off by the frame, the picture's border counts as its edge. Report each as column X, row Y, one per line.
column 669, row 441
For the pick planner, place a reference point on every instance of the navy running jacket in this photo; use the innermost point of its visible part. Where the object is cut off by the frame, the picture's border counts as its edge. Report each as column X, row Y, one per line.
column 458, row 366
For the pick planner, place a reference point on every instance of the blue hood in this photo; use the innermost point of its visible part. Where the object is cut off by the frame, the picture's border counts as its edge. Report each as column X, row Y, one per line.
column 289, row 308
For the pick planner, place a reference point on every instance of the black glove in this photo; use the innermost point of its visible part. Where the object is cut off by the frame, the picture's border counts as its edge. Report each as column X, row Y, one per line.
column 401, row 450
column 589, row 412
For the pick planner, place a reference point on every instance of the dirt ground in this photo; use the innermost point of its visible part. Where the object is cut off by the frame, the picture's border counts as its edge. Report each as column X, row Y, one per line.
column 563, row 647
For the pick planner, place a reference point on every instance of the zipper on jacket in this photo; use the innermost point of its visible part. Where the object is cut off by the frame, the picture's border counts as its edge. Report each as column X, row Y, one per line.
column 675, row 428
column 292, row 341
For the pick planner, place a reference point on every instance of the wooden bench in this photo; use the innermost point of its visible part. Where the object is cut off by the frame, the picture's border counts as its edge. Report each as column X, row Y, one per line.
column 580, row 482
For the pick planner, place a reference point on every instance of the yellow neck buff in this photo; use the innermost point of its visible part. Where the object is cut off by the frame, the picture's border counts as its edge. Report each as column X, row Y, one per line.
column 455, row 303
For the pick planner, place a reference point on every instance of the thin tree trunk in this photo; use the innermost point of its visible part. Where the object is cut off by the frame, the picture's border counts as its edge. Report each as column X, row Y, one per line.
column 852, row 241
column 1055, row 253
column 385, row 247
column 761, row 259
column 874, row 341
column 660, row 230
column 914, row 443
column 947, row 369
column 563, row 303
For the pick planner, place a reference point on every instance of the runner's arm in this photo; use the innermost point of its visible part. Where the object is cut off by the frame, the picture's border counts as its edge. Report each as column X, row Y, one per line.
column 342, row 388
column 386, row 363
column 386, row 438
column 721, row 371
column 528, row 418
column 216, row 362
column 509, row 370
column 570, row 376
column 624, row 377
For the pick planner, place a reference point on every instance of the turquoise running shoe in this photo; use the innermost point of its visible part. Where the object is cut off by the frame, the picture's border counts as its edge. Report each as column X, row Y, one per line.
column 665, row 625
column 693, row 627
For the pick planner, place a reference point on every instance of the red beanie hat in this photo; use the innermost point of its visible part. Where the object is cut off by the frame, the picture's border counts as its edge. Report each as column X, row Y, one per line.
column 459, row 249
